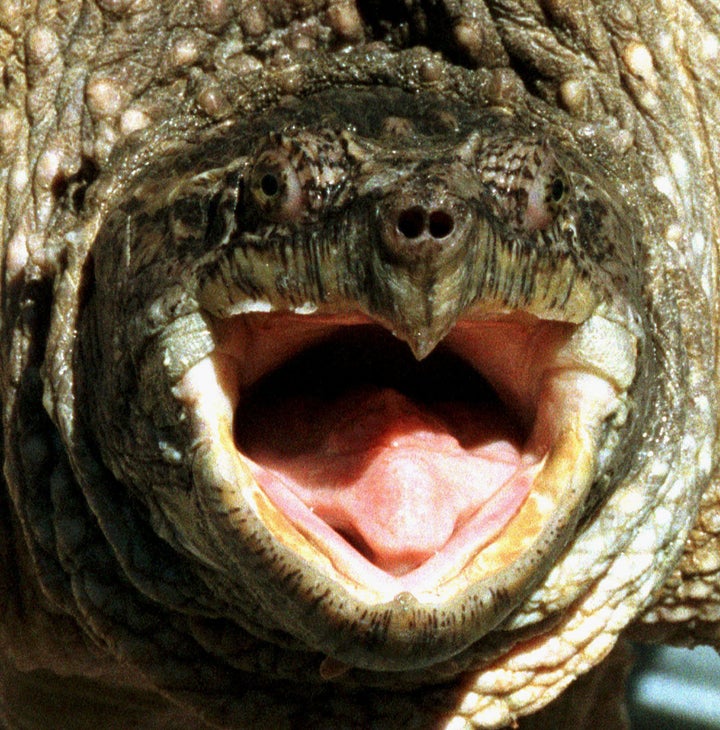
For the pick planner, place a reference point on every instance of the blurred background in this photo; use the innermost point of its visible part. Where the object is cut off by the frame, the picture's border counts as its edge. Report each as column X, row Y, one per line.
column 675, row 689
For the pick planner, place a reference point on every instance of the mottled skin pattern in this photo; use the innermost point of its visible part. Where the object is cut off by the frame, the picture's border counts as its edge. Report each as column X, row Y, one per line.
column 108, row 617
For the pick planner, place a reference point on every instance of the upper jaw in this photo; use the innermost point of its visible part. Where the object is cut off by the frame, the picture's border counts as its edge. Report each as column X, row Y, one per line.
column 417, row 287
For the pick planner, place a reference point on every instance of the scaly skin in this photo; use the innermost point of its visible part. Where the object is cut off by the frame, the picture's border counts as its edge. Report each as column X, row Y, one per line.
column 98, row 585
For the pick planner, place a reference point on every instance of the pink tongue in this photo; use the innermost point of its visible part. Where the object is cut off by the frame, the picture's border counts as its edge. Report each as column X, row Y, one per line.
column 387, row 473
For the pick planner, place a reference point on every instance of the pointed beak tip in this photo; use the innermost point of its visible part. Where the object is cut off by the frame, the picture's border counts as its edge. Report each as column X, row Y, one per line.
column 421, row 345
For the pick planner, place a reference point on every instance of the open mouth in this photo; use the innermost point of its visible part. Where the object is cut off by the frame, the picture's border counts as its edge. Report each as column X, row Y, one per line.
column 395, row 475
column 394, row 455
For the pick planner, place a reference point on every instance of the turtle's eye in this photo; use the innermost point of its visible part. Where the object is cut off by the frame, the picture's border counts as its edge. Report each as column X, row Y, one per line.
column 546, row 194
column 269, row 185
column 557, row 190
column 275, row 188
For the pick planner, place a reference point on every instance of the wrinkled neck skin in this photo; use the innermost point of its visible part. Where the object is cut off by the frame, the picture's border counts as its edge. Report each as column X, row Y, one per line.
column 182, row 285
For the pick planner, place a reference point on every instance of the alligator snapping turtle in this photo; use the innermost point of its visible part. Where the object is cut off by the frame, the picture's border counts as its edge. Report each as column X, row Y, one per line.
column 358, row 359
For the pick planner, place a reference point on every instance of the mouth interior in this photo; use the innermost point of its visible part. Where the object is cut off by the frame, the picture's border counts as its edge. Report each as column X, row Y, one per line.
column 395, row 459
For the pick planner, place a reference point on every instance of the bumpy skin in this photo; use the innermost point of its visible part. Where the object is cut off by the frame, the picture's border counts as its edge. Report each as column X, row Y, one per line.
column 101, row 580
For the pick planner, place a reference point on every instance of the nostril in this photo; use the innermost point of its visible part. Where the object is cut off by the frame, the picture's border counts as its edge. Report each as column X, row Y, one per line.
column 411, row 222
column 441, row 224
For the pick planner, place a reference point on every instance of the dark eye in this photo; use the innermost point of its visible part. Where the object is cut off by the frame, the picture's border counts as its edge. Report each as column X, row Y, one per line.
column 547, row 187
column 546, row 194
column 274, row 187
column 270, row 185
column 557, row 189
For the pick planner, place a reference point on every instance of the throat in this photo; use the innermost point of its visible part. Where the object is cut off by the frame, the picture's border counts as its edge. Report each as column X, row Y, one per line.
column 396, row 458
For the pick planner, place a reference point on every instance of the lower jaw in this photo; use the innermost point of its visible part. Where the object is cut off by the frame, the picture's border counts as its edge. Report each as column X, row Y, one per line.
column 478, row 531
column 499, row 534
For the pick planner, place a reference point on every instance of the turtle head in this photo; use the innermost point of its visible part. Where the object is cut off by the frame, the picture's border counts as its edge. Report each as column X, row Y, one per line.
column 377, row 359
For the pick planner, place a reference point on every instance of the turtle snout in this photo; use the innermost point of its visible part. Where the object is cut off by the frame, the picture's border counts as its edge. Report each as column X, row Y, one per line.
column 421, row 224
